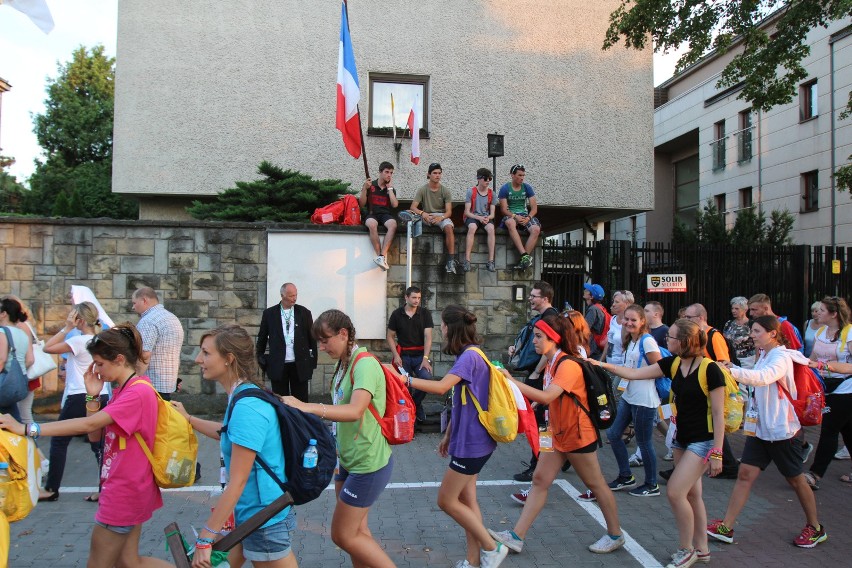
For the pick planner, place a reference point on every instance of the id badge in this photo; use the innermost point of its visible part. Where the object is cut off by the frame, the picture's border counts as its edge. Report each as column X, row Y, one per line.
column 445, row 420
column 622, row 385
column 750, row 423
column 545, row 441
column 665, row 411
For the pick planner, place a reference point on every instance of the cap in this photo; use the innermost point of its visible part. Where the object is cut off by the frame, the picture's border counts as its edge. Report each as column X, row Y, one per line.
column 435, row 166
column 596, row 290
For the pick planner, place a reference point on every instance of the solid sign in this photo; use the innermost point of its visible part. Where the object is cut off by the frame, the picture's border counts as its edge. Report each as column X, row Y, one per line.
column 667, row 283
column 835, row 267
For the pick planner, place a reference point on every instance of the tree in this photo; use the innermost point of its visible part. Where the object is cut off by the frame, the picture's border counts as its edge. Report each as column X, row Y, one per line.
column 749, row 229
column 281, row 195
column 11, row 192
column 75, row 133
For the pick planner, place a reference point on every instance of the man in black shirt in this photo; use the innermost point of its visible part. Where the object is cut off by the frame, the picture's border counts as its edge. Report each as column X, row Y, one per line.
column 380, row 200
column 410, row 340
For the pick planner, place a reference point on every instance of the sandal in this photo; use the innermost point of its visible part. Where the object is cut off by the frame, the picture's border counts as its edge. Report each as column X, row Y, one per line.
column 93, row 498
column 847, row 478
column 812, row 480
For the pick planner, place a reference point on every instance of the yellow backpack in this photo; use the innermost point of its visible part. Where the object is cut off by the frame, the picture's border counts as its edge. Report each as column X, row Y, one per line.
column 175, row 446
column 733, row 411
column 24, row 462
column 501, row 418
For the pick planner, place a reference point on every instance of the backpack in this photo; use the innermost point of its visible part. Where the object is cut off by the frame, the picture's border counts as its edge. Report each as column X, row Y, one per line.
column 732, row 353
column 473, row 195
column 524, row 357
column 13, row 379
column 602, row 406
column 733, row 410
column 796, row 332
column 394, row 430
column 600, row 338
column 175, row 446
column 501, row 418
column 330, row 214
column 297, row 429
column 351, row 211
column 810, row 395
column 24, row 462
column 663, row 384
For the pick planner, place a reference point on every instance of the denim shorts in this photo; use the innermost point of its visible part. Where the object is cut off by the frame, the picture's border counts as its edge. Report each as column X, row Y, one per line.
column 700, row 449
column 270, row 543
column 117, row 529
column 362, row 489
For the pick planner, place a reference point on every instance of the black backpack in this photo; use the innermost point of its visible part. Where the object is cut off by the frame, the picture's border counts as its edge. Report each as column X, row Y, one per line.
column 732, row 353
column 602, row 406
column 297, row 429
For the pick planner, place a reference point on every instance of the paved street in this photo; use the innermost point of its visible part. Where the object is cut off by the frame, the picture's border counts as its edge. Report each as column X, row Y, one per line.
column 416, row 533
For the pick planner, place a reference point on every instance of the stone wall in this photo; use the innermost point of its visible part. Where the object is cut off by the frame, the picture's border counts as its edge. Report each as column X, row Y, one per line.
column 213, row 273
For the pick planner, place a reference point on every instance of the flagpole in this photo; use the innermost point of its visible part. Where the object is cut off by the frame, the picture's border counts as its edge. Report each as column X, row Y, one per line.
column 358, row 107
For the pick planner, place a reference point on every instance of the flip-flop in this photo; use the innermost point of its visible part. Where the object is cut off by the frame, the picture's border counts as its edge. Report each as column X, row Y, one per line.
column 813, row 482
column 93, row 498
column 846, row 478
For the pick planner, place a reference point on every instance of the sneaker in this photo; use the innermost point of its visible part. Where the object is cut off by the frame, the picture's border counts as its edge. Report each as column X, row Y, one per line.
column 526, row 262
column 463, row 564
column 451, row 266
column 521, row 496
column 646, row 490
column 489, row 266
column 807, row 448
column 720, row 532
column 381, row 262
column 666, row 473
column 493, row 558
column 407, row 217
column 465, row 264
column 509, row 538
column 635, row 461
column 811, row 537
column 683, row 558
column 703, row 557
column 607, row 544
column 526, row 475
column 669, row 456
column 842, row 454
column 622, row 483
column 587, row 496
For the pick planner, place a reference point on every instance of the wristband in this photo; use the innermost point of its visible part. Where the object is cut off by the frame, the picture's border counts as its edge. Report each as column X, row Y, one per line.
column 211, row 531
column 90, row 398
column 207, row 541
column 322, row 405
column 95, row 409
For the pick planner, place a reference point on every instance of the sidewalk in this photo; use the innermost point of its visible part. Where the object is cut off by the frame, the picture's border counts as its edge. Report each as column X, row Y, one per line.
column 416, row 533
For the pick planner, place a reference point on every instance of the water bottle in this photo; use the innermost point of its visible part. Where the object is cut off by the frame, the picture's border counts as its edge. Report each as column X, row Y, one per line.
column 500, row 425
column 310, row 457
column 173, row 467
column 402, row 423
column 4, row 479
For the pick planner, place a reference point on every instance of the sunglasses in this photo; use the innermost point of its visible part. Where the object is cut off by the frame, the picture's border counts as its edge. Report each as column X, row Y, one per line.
column 486, row 178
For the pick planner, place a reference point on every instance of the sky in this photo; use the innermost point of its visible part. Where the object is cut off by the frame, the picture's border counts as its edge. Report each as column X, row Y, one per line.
column 28, row 58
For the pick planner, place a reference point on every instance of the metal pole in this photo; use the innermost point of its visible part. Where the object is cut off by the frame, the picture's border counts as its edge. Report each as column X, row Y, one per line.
column 494, row 176
column 408, row 252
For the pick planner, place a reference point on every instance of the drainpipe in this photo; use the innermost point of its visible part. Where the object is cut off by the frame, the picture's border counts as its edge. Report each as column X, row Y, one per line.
column 759, row 162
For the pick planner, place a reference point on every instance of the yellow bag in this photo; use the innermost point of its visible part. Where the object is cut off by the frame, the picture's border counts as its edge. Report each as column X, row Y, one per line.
column 733, row 410
column 501, row 418
column 24, row 462
column 175, row 446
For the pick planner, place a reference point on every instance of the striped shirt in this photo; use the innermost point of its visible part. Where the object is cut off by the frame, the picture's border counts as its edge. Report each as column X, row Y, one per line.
column 162, row 335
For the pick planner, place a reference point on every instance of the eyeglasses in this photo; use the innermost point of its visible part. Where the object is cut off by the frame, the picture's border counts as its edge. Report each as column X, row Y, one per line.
column 534, row 296
column 672, row 338
column 517, row 167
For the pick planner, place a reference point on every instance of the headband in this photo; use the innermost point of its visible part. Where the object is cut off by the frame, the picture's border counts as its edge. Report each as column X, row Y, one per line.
column 548, row 331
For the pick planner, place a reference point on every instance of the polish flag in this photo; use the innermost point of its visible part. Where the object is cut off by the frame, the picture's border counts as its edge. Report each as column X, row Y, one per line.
column 348, row 90
column 414, row 128
column 527, row 423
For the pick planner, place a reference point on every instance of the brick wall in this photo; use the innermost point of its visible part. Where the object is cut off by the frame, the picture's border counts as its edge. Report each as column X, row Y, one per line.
column 213, row 273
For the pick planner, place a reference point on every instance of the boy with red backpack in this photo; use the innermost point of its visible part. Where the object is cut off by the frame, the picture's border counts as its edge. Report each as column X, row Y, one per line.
column 479, row 210
column 597, row 317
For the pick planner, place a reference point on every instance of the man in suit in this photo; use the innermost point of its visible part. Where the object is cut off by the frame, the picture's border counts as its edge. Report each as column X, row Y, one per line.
column 292, row 358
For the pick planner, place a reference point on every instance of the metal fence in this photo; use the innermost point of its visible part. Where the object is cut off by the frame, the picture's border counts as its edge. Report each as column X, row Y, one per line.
column 793, row 276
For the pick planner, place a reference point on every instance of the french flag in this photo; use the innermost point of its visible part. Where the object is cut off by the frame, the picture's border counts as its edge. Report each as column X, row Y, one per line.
column 348, row 90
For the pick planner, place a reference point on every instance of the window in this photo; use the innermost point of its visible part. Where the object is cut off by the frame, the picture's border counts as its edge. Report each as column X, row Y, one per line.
column 810, row 191
column 718, row 146
column 719, row 200
column 744, row 137
column 808, row 96
column 746, row 198
column 686, row 190
column 405, row 91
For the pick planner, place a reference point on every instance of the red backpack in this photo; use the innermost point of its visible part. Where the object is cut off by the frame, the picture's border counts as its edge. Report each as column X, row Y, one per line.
column 473, row 195
column 328, row 215
column 394, row 429
column 810, row 395
column 600, row 338
column 351, row 211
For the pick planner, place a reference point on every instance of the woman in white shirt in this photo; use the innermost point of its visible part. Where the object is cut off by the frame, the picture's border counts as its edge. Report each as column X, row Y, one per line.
column 639, row 402
column 83, row 317
column 621, row 299
column 770, row 427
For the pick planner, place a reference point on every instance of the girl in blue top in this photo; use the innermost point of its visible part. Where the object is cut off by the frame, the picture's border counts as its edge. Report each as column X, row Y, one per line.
column 227, row 357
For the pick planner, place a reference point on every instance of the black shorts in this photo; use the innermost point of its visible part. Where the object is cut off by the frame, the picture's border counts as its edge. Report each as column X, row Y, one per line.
column 479, row 224
column 590, row 449
column 468, row 466
column 381, row 218
column 787, row 455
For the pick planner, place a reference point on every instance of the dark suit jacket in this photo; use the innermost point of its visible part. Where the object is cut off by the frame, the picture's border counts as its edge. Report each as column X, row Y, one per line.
column 272, row 333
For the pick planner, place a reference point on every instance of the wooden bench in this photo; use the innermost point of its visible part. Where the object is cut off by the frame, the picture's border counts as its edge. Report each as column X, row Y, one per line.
column 230, row 540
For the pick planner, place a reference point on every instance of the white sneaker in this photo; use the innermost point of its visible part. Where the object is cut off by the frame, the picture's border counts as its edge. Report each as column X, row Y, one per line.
column 383, row 264
column 463, row 564
column 842, row 454
column 507, row 538
column 606, row 544
column 683, row 558
column 635, row 460
column 493, row 558
column 669, row 456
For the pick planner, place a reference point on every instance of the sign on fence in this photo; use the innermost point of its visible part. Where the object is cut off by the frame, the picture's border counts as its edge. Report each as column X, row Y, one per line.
column 667, row 283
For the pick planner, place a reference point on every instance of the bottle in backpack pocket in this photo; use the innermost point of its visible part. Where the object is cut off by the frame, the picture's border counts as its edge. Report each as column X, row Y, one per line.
column 500, row 425
column 402, row 424
column 311, row 456
column 4, row 481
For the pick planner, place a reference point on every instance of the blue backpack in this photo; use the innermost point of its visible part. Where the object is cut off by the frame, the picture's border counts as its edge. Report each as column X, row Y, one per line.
column 525, row 358
column 297, row 428
column 663, row 384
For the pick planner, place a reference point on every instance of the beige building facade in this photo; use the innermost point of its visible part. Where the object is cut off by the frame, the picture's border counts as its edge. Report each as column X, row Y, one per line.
column 206, row 91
